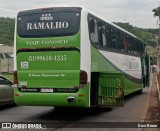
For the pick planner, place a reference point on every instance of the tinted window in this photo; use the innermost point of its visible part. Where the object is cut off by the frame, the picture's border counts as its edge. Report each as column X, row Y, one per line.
column 44, row 24
column 93, row 24
column 107, row 37
column 104, row 41
column 113, row 38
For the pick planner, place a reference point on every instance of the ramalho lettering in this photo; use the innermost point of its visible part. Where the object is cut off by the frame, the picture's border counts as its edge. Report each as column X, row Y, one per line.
column 47, row 25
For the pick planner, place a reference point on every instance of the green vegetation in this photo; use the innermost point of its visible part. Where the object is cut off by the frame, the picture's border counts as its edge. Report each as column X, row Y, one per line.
column 7, row 30
column 156, row 11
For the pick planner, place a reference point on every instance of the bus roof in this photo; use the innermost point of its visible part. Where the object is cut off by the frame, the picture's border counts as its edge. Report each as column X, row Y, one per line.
column 86, row 11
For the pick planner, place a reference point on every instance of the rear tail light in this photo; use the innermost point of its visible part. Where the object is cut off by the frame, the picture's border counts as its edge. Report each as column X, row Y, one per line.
column 83, row 77
column 15, row 77
column 23, row 87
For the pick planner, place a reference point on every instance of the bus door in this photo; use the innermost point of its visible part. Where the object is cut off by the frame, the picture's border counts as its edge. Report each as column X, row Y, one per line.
column 111, row 89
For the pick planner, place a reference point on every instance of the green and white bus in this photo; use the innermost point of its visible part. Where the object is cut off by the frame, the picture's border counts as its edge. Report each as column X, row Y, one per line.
column 70, row 57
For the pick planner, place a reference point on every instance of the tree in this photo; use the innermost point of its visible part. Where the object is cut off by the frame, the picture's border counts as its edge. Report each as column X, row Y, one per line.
column 7, row 30
column 156, row 11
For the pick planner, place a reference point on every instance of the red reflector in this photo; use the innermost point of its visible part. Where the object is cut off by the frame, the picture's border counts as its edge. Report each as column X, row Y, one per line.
column 81, row 95
column 15, row 77
column 23, row 86
column 83, row 77
column 76, row 87
column 16, row 94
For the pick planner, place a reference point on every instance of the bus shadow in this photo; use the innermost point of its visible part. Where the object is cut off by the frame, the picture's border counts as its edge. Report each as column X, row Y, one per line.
column 4, row 107
column 133, row 95
column 71, row 114
column 75, row 114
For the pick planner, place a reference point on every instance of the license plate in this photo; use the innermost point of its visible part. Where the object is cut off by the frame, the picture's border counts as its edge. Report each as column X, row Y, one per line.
column 47, row 90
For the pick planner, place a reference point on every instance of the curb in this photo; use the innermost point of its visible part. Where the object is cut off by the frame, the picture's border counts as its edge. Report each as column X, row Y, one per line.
column 147, row 104
column 158, row 88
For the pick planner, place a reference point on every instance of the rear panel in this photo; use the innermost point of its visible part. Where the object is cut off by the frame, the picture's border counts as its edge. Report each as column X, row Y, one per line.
column 48, row 58
column 49, row 68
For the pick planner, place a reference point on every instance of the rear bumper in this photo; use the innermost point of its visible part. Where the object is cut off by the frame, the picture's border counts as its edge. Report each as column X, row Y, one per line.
column 80, row 99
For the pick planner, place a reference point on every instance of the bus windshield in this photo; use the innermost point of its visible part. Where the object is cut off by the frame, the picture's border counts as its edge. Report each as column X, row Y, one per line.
column 48, row 24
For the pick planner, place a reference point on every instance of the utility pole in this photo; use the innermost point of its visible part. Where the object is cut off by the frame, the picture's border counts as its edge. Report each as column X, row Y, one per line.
column 158, row 43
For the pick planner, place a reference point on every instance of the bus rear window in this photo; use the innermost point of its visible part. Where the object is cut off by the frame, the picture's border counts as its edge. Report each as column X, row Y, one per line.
column 48, row 24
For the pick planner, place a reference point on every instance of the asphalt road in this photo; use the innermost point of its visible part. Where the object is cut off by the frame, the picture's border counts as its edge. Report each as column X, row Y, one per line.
column 134, row 111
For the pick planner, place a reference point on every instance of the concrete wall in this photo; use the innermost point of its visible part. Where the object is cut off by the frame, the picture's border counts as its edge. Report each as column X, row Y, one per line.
column 6, row 65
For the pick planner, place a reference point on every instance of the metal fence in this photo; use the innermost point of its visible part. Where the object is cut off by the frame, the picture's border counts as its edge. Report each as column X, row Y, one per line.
column 111, row 89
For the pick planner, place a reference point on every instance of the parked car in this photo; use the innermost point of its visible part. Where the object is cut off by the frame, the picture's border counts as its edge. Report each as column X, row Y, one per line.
column 6, row 91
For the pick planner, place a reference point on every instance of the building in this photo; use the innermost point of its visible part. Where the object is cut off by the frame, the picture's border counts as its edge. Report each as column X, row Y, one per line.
column 6, row 58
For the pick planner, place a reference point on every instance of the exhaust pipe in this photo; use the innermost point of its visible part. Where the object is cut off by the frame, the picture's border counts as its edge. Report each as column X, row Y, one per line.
column 70, row 99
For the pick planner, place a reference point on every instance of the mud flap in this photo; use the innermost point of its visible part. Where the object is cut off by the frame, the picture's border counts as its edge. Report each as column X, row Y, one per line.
column 111, row 89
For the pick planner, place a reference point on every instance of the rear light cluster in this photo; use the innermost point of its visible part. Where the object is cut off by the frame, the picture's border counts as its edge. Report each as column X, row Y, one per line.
column 15, row 77
column 83, row 77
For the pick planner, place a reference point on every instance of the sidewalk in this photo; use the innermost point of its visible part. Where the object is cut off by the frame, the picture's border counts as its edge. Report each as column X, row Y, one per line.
column 153, row 113
column 158, row 84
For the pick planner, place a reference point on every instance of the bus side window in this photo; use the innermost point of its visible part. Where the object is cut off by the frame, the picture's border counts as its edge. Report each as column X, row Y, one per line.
column 102, row 36
column 93, row 30
column 121, row 42
column 113, row 39
column 108, row 36
column 136, row 47
column 118, row 40
column 142, row 48
column 139, row 48
column 130, row 45
column 100, row 33
column 125, row 44
column 91, row 26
